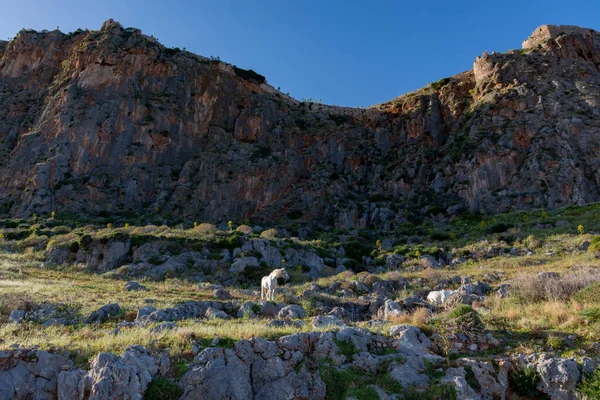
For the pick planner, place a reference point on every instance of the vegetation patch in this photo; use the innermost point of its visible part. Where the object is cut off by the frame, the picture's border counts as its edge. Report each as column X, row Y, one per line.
column 162, row 389
column 249, row 75
column 439, row 84
column 524, row 381
column 589, row 387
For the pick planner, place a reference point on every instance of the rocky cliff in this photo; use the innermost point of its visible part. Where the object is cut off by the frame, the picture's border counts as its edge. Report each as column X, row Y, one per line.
column 112, row 121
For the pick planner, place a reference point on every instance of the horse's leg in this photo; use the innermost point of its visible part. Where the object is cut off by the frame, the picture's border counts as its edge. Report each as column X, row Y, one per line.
column 262, row 292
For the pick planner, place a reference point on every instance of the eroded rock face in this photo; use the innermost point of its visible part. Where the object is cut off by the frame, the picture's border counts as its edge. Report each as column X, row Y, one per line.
column 257, row 369
column 112, row 120
column 30, row 374
column 113, row 377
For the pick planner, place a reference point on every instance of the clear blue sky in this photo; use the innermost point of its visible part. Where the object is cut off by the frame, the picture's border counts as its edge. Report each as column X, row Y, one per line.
column 344, row 52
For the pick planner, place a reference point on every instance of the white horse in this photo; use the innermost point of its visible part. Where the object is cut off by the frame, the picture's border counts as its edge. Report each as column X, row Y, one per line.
column 269, row 283
column 439, row 296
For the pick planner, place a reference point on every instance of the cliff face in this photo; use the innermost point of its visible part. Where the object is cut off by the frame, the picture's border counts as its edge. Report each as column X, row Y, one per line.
column 113, row 121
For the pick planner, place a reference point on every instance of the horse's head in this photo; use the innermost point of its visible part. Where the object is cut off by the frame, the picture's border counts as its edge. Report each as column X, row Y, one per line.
column 284, row 274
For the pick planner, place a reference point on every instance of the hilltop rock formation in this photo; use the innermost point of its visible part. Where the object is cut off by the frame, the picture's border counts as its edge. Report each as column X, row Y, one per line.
column 112, row 121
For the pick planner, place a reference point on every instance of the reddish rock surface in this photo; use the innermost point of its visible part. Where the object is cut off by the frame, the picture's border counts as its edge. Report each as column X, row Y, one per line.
column 113, row 121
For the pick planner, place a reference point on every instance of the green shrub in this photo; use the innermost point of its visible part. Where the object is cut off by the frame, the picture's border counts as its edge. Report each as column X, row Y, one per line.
column 347, row 348
column 356, row 250
column 435, row 210
column 498, row 228
column 354, row 265
column 249, row 75
column 439, row 84
column 589, row 294
column 589, row 387
column 524, row 381
column 229, row 242
column 364, row 393
column 438, row 236
column 85, row 242
column 466, row 318
column 74, row 247
column 162, row 389
column 342, row 383
column 555, row 342
column 470, row 378
column 156, row 260
column 594, row 245
column 338, row 382
column 440, row 391
column 592, row 314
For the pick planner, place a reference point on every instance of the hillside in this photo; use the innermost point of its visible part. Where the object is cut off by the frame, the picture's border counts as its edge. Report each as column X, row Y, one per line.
column 112, row 122
column 444, row 245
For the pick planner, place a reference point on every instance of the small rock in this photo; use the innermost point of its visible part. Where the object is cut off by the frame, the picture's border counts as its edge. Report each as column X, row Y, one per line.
column 326, row 321
column 134, row 286
column 103, row 313
column 165, row 326
column 293, row 311
column 17, row 316
column 213, row 313
column 247, row 310
column 280, row 323
column 222, row 294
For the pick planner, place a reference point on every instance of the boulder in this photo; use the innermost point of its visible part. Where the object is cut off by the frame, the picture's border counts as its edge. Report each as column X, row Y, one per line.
column 390, row 310
column 269, row 254
column 103, row 313
column 16, row 316
column 478, row 288
column 326, row 321
column 492, row 384
column 222, row 294
column 268, row 308
column 239, row 265
column 165, row 326
column 386, row 245
column 292, row 311
column 558, row 377
column 134, row 286
column 251, row 369
column 383, row 289
column 212, row 313
column 410, row 337
column 247, row 310
column 30, row 374
column 456, row 377
column 394, row 261
column 125, row 377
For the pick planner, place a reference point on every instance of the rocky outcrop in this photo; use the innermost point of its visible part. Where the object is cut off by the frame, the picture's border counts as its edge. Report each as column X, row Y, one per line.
column 111, row 121
column 258, row 370
column 113, row 377
column 30, row 374
column 287, row 368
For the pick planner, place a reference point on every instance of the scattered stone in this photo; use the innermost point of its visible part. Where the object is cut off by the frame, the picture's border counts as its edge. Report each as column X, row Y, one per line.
column 247, row 310
column 16, row 316
column 165, row 326
column 326, row 321
column 222, row 294
column 390, row 310
column 281, row 323
column 134, row 287
column 103, row 313
column 292, row 311
column 547, row 275
column 239, row 265
column 212, row 313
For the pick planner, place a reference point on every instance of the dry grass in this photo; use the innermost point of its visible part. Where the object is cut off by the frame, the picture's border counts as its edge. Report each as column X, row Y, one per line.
column 530, row 288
